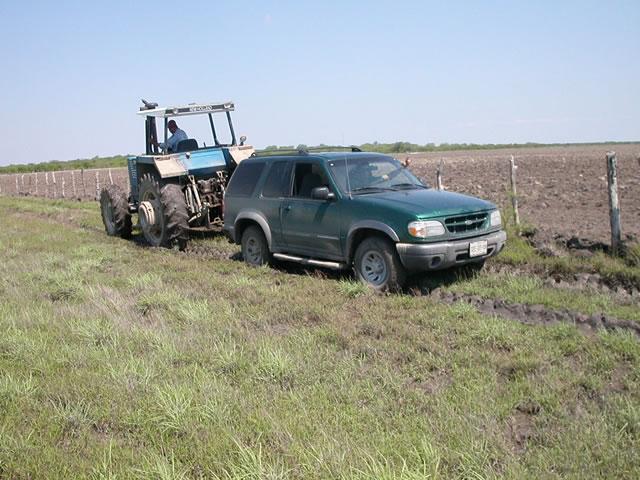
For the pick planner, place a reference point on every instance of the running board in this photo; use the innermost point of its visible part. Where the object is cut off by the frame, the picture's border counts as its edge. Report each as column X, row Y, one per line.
column 310, row 261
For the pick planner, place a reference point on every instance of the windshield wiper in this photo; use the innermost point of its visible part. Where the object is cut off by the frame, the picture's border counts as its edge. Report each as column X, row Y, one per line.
column 406, row 186
column 371, row 189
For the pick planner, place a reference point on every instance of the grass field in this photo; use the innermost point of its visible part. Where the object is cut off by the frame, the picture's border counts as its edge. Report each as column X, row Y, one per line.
column 122, row 361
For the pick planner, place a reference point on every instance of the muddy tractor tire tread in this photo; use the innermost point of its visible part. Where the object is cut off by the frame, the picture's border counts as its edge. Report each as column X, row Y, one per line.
column 172, row 217
column 175, row 213
column 114, row 208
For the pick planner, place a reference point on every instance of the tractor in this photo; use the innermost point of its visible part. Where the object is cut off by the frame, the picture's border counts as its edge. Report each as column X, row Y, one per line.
column 176, row 188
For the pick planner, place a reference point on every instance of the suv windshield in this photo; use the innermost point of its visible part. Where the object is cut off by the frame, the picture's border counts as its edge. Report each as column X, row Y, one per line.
column 370, row 174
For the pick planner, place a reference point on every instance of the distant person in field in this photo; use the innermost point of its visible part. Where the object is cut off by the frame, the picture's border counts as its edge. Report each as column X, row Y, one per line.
column 176, row 137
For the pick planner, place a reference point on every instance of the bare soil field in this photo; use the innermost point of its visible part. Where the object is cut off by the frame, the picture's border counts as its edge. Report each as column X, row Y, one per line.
column 561, row 190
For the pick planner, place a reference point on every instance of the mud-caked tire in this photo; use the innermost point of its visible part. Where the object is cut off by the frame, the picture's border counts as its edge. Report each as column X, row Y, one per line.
column 255, row 249
column 377, row 264
column 170, row 217
column 114, row 208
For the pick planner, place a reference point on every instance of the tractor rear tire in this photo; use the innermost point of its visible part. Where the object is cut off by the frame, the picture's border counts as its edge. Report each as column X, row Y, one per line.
column 114, row 207
column 171, row 219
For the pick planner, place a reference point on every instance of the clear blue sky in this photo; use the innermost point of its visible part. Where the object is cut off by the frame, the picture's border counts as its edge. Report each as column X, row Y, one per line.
column 319, row 72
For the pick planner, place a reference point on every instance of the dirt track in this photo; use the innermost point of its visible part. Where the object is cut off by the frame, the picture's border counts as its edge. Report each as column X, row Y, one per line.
column 561, row 190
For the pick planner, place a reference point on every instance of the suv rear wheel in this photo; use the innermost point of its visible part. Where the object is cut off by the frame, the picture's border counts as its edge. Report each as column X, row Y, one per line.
column 255, row 249
column 377, row 264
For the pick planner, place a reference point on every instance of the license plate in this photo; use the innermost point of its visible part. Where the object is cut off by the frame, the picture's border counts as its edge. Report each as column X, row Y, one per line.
column 477, row 249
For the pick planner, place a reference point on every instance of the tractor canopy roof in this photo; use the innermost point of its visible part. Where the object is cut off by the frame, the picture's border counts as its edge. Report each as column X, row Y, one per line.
column 153, row 110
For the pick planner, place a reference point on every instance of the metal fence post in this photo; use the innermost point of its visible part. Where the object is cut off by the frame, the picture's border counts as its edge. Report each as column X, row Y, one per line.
column 614, row 207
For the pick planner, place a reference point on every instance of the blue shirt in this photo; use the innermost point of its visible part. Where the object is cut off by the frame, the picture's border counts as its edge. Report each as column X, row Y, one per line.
column 173, row 140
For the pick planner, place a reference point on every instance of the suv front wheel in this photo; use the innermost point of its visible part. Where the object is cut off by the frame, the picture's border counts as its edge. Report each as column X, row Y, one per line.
column 377, row 264
column 255, row 249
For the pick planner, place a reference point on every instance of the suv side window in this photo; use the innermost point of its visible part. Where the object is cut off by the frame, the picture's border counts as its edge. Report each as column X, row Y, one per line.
column 308, row 176
column 244, row 179
column 277, row 183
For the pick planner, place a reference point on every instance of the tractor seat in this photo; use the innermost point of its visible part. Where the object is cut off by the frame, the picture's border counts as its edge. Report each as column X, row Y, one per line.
column 187, row 145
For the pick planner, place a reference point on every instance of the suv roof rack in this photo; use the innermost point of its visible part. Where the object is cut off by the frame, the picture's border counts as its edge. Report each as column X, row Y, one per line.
column 303, row 151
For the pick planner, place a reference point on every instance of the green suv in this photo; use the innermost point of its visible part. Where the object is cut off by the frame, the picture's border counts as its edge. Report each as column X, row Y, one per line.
column 366, row 210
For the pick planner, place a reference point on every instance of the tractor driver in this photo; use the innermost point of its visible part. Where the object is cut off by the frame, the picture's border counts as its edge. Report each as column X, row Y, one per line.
column 176, row 137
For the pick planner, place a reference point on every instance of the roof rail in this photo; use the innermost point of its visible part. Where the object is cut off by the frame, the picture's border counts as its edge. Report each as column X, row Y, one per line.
column 303, row 150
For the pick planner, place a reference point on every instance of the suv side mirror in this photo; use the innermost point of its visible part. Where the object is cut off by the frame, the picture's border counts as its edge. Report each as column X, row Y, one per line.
column 322, row 193
column 243, row 139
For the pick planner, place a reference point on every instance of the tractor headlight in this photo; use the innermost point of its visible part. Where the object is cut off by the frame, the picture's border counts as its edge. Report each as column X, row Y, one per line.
column 425, row 228
column 496, row 220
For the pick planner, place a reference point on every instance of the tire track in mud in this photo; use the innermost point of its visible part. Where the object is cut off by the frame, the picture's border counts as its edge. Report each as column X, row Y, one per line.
column 538, row 314
column 579, row 281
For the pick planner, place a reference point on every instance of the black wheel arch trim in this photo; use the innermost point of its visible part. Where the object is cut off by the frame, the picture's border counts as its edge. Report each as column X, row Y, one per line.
column 256, row 217
column 368, row 225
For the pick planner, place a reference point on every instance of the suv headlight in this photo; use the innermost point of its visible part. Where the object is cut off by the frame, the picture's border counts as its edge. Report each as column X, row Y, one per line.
column 425, row 228
column 496, row 220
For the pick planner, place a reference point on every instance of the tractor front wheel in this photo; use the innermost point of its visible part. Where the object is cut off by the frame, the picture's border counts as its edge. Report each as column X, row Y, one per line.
column 114, row 207
column 162, row 213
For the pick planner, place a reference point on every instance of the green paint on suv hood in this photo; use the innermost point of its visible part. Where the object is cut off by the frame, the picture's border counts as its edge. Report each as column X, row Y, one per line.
column 426, row 203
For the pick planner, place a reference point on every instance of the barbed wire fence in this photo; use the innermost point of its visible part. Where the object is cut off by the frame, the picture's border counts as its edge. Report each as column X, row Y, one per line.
column 81, row 185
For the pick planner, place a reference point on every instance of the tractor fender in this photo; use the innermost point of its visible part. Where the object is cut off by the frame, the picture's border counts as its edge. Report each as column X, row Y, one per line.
column 368, row 225
column 256, row 217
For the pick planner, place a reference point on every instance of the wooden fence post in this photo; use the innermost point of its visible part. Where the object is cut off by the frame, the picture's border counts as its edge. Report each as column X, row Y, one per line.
column 36, row 182
column 62, row 182
column 614, row 207
column 22, row 180
column 17, row 187
column 439, row 175
column 110, row 177
column 84, row 185
column 55, row 185
column 46, row 180
column 97, row 184
column 73, row 184
column 514, row 192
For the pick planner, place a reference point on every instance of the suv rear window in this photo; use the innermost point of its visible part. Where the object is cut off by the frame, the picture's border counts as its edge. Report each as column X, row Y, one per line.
column 278, row 181
column 244, row 179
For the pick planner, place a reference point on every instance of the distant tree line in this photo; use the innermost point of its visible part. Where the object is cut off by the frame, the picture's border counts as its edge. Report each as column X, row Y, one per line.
column 55, row 165
column 391, row 148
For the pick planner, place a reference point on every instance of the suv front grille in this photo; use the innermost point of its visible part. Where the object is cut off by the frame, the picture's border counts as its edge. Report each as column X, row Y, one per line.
column 466, row 223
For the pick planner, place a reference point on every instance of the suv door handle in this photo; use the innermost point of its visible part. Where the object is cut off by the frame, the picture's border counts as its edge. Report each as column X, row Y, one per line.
column 287, row 207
